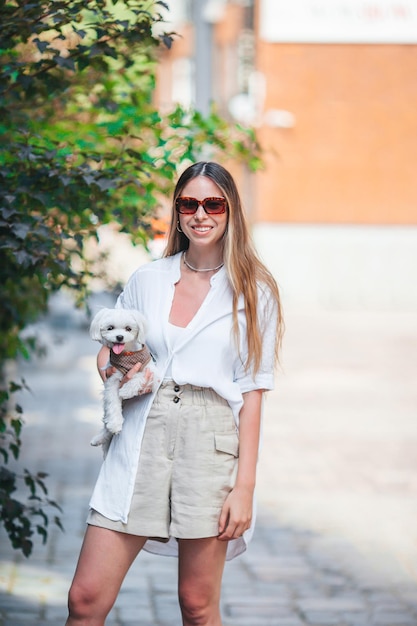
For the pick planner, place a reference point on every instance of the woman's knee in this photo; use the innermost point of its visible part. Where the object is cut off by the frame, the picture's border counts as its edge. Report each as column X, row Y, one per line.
column 85, row 600
column 198, row 607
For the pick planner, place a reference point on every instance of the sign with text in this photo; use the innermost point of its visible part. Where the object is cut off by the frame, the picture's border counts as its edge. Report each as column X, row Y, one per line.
column 339, row 21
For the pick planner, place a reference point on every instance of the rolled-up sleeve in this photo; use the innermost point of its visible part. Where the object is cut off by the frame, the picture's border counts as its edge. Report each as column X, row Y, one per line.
column 268, row 324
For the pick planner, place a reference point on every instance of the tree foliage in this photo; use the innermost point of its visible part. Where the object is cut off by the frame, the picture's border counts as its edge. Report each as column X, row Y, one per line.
column 81, row 144
column 20, row 519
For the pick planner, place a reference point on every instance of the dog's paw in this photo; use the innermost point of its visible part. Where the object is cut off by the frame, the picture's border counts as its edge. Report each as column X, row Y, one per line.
column 140, row 384
column 128, row 390
column 114, row 427
column 102, row 439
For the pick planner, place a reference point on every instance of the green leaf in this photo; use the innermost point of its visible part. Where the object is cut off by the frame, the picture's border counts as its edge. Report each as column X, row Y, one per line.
column 16, row 425
column 26, row 546
column 43, row 532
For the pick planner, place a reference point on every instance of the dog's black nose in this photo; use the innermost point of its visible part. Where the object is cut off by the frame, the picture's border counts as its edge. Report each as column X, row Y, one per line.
column 119, row 338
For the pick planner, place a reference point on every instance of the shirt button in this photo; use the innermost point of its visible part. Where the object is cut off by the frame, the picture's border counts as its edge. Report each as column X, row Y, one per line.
column 176, row 388
column 176, row 399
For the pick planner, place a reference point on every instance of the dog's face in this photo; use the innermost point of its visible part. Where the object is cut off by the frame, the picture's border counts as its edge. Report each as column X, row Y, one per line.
column 117, row 328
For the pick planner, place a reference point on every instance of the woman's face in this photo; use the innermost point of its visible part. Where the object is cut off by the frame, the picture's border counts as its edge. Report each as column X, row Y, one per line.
column 200, row 228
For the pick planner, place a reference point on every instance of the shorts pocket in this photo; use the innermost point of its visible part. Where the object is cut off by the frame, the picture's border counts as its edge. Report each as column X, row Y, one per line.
column 227, row 442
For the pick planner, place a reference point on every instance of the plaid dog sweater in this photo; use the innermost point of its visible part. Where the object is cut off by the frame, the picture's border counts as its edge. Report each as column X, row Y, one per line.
column 126, row 360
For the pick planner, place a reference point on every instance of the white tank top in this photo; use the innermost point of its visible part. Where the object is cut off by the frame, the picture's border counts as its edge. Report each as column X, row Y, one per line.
column 174, row 333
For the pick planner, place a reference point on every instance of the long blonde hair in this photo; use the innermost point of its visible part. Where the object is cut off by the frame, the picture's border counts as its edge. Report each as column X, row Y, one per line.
column 245, row 270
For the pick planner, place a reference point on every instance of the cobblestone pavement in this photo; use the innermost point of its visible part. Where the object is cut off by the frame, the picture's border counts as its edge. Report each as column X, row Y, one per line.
column 336, row 539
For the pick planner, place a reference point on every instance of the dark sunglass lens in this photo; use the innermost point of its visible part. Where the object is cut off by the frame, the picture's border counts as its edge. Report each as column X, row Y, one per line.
column 187, row 205
column 214, row 205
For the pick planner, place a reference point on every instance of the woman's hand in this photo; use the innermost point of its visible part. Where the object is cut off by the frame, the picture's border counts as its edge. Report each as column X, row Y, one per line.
column 236, row 515
column 148, row 378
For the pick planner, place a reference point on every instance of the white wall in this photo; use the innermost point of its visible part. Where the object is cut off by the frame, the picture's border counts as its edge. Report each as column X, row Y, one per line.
column 342, row 267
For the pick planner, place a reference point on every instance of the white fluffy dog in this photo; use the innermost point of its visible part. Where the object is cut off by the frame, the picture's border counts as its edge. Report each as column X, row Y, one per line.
column 123, row 331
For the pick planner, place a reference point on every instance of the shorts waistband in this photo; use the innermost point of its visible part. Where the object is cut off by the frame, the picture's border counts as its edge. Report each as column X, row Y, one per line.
column 189, row 394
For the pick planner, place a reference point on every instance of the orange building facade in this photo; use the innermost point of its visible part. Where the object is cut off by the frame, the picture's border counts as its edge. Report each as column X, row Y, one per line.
column 350, row 156
column 337, row 119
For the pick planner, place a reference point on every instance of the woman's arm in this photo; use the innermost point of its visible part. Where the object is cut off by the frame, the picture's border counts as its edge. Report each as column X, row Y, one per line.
column 102, row 360
column 236, row 515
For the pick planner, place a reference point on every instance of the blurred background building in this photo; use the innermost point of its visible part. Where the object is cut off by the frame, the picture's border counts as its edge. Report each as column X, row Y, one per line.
column 331, row 88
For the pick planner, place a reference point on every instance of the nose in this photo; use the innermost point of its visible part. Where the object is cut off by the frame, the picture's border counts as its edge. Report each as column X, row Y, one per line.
column 119, row 338
column 200, row 213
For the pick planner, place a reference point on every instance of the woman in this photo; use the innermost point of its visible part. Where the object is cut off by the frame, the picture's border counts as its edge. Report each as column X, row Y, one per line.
column 180, row 478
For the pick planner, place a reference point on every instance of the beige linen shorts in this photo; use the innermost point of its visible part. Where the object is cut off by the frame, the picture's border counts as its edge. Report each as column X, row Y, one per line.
column 187, row 466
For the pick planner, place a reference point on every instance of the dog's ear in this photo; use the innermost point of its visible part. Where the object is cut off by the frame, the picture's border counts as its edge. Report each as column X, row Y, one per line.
column 96, row 324
column 142, row 325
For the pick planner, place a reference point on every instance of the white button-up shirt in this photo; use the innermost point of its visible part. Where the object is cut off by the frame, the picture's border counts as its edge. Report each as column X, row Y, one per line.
column 204, row 355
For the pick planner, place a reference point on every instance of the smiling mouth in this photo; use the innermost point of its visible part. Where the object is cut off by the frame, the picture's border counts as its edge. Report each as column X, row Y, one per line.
column 202, row 229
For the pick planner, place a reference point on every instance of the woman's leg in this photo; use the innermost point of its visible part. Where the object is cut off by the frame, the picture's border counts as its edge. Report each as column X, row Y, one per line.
column 105, row 558
column 201, row 564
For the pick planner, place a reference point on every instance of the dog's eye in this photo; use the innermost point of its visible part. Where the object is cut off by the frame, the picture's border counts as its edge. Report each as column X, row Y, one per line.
column 110, row 327
column 128, row 329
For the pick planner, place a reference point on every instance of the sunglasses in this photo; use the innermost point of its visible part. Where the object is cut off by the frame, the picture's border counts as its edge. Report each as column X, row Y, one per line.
column 189, row 206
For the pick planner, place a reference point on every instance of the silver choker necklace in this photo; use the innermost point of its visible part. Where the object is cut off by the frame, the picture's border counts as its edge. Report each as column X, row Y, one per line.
column 204, row 269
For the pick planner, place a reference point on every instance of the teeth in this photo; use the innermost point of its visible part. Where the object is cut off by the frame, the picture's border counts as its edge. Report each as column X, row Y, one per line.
column 202, row 228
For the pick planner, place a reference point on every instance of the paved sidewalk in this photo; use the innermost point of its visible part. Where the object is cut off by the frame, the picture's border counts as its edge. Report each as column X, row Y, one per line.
column 336, row 539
